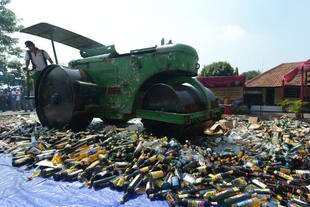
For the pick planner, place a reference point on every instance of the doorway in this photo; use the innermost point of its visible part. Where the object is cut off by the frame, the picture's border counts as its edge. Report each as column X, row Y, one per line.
column 269, row 96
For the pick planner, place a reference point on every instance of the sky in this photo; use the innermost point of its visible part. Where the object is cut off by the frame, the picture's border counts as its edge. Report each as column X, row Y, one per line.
column 249, row 34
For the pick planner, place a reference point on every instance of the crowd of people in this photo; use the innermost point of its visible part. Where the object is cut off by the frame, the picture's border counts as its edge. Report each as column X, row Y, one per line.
column 13, row 99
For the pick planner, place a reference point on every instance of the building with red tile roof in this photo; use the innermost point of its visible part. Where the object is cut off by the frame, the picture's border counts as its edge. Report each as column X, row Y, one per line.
column 266, row 88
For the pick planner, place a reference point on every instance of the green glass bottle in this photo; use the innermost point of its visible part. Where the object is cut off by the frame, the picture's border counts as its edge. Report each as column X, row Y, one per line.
column 236, row 198
column 150, row 188
column 167, row 182
column 25, row 160
column 220, row 196
column 103, row 182
column 102, row 174
column 171, row 199
column 133, row 185
column 47, row 172
column 73, row 176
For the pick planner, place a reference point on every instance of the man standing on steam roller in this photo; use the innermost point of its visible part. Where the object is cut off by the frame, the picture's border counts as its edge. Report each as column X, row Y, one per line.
column 38, row 59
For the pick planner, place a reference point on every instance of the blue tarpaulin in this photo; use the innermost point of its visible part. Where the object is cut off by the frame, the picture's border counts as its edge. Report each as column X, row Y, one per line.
column 16, row 190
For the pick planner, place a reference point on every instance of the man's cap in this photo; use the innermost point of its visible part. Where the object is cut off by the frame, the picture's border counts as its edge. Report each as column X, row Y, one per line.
column 29, row 43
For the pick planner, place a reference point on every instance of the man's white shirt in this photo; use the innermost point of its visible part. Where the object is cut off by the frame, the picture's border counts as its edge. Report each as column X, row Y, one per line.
column 38, row 59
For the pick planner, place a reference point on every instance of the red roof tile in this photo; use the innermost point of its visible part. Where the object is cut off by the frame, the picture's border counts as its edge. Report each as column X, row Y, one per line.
column 273, row 77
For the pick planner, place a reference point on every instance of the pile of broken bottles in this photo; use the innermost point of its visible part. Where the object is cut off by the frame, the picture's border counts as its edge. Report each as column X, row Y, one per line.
column 239, row 162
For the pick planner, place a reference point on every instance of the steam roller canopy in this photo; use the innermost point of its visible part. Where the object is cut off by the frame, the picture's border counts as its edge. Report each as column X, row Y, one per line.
column 57, row 103
column 181, row 98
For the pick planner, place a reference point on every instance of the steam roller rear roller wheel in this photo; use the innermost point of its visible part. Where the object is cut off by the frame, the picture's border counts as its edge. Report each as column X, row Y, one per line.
column 57, row 104
column 180, row 98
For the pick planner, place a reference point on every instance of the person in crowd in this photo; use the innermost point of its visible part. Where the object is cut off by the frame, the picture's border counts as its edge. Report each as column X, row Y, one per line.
column 13, row 99
column 2, row 100
column 8, row 97
column 17, row 99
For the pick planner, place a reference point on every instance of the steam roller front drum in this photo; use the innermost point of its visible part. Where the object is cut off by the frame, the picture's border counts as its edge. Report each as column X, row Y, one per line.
column 57, row 104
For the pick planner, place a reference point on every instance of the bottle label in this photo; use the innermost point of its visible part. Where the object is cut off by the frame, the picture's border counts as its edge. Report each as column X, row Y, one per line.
column 121, row 181
column 180, row 196
column 189, row 178
column 160, row 158
column 209, row 193
column 302, row 172
column 92, row 151
column 153, row 158
column 258, row 183
column 244, row 203
column 235, row 189
column 157, row 174
column 170, row 199
column 202, row 169
column 175, row 181
column 144, row 170
column 285, row 176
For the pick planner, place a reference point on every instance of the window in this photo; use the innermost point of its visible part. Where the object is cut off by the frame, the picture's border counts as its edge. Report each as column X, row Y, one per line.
column 291, row 92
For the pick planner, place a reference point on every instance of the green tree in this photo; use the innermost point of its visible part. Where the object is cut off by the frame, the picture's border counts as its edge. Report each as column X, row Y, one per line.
column 251, row 74
column 217, row 69
column 9, row 66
